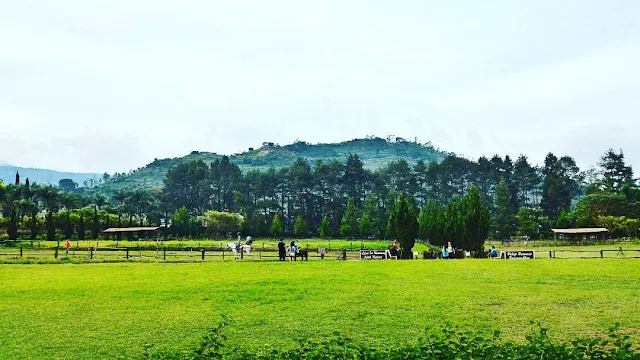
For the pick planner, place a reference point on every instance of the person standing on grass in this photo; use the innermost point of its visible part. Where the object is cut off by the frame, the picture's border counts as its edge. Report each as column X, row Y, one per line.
column 282, row 251
column 292, row 251
column 394, row 248
column 445, row 252
column 450, row 249
column 67, row 245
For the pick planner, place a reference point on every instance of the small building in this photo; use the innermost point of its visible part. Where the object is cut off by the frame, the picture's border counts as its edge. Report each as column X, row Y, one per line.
column 145, row 231
column 580, row 234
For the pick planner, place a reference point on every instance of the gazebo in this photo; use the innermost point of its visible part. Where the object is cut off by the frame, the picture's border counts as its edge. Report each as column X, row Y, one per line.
column 579, row 234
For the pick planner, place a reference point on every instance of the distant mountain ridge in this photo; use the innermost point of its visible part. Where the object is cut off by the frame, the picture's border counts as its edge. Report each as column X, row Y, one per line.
column 42, row 176
column 374, row 153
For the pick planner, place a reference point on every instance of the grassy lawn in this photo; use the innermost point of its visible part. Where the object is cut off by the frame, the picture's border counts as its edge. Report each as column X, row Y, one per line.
column 105, row 310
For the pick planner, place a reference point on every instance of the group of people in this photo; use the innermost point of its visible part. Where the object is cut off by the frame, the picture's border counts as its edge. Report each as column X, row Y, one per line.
column 448, row 252
column 292, row 250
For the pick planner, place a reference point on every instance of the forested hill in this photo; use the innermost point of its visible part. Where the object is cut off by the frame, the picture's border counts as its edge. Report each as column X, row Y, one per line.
column 42, row 176
column 374, row 152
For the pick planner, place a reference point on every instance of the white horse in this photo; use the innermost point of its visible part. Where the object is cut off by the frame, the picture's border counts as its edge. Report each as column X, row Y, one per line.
column 243, row 247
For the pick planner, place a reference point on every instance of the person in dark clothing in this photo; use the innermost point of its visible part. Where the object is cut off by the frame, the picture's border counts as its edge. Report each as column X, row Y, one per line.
column 282, row 251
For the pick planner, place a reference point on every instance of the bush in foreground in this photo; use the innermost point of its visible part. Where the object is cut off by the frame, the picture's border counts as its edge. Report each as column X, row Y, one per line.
column 444, row 344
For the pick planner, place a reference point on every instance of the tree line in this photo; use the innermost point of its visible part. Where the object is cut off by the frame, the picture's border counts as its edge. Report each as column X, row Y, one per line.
column 342, row 199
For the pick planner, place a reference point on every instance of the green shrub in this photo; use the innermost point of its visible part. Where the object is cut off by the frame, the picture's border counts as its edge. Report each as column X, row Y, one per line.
column 446, row 343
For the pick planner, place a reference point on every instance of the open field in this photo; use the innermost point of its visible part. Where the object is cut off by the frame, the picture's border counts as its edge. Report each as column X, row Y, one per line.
column 104, row 310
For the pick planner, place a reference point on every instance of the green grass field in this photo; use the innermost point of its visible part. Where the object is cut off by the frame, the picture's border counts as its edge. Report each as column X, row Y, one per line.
column 106, row 310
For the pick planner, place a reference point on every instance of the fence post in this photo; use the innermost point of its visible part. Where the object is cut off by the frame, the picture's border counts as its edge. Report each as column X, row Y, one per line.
column 601, row 254
column 90, row 253
column 55, row 255
column 127, row 253
column 260, row 254
column 550, row 255
column 202, row 254
column 351, row 246
column 164, row 254
column 20, row 251
column 222, row 254
column 241, row 253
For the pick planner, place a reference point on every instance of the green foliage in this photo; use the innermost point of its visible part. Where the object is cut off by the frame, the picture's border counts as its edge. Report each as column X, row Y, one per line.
column 564, row 220
column 300, row 227
column 220, row 223
column 530, row 221
column 560, row 185
column 372, row 153
column 276, row 225
column 67, row 185
column 476, row 219
column 325, row 230
column 12, row 229
column 349, row 222
column 447, row 343
column 463, row 222
column 609, row 222
column 403, row 226
column 503, row 218
column 630, row 226
column 615, row 173
column 365, row 225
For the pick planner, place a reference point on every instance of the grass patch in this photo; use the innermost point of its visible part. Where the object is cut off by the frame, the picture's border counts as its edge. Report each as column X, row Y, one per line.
column 103, row 310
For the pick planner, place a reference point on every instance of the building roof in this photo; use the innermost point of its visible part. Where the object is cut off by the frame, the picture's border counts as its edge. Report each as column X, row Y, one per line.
column 131, row 229
column 580, row 231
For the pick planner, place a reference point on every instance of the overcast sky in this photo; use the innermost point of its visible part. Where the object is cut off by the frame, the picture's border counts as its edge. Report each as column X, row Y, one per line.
column 110, row 85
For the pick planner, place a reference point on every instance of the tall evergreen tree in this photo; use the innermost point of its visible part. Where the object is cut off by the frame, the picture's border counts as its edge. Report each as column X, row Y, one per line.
column 615, row 173
column 325, row 230
column 403, row 226
column 503, row 217
column 561, row 178
column 300, row 227
column 276, row 225
column 476, row 220
column 349, row 223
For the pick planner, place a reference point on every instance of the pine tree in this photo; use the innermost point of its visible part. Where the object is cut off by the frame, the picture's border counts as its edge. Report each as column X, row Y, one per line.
column 503, row 219
column 276, row 225
column 476, row 220
column 81, row 230
column 95, row 229
column 365, row 225
column 349, row 223
column 403, row 226
column 325, row 230
column 12, row 229
column 300, row 227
